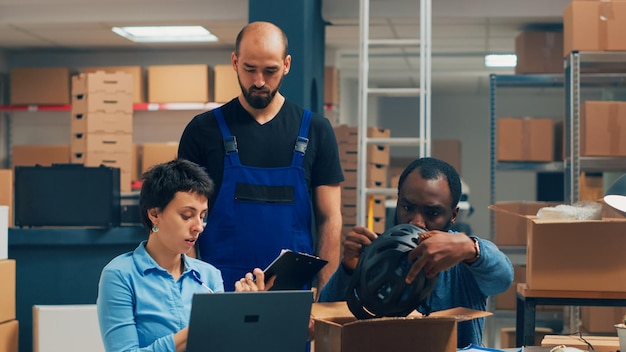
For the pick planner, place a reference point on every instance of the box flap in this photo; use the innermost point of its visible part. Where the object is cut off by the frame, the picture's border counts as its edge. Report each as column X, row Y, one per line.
column 461, row 314
column 340, row 309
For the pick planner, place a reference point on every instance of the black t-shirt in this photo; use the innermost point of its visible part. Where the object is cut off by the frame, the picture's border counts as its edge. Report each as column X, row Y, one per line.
column 267, row 145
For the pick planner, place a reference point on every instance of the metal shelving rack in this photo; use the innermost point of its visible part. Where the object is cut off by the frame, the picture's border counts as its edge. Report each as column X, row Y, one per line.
column 365, row 91
column 575, row 63
column 515, row 81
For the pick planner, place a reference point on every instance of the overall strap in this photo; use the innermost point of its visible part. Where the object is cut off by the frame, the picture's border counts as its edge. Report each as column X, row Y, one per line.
column 230, row 142
column 302, row 141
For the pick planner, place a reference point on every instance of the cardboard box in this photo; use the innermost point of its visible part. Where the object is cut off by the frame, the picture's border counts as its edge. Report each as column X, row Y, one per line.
column 525, row 139
column 7, row 290
column 594, row 26
column 448, row 150
column 44, row 155
column 102, row 122
column 507, row 300
column 180, row 84
column 561, row 256
column 539, row 52
column 507, row 336
column 599, row 343
column 6, row 192
column 156, row 153
column 9, row 334
column 102, row 82
column 226, row 83
column 70, row 328
column 601, row 320
column 331, row 85
column 603, row 128
column 40, row 86
column 510, row 227
column 138, row 78
column 102, row 102
column 337, row 330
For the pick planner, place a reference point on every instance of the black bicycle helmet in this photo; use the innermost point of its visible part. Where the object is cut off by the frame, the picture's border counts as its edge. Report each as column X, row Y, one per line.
column 378, row 288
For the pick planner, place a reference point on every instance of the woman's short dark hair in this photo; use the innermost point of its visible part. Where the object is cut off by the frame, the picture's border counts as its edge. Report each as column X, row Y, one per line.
column 162, row 181
column 432, row 169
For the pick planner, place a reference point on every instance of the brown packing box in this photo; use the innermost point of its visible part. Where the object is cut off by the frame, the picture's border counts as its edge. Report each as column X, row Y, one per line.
column 603, row 128
column 156, row 153
column 590, row 186
column 102, row 122
column 9, row 334
column 507, row 300
column 44, row 155
column 138, row 78
column 601, row 320
column 525, row 139
column 448, row 150
column 6, row 191
column 560, row 255
column 103, row 102
column 180, row 84
column 539, row 52
column 226, row 83
column 507, row 336
column 331, row 85
column 594, row 26
column 599, row 343
column 40, row 85
column 510, row 228
column 102, row 82
column 337, row 330
column 7, row 290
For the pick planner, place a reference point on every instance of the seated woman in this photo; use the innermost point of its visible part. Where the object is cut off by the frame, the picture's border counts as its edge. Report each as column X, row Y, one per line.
column 144, row 296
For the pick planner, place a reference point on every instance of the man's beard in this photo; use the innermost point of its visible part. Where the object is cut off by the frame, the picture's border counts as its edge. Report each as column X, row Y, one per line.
column 259, row 101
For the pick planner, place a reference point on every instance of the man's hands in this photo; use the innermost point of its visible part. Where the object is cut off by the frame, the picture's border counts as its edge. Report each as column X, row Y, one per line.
column 438, row 251
column 353, row 245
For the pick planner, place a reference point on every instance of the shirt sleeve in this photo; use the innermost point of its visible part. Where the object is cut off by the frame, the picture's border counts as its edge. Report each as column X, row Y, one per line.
column 336, row 289
column 326, row 168
column 493, row 271
column 115, row 305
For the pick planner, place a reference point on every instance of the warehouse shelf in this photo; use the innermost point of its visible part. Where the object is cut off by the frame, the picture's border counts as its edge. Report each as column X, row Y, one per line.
column 555, row 166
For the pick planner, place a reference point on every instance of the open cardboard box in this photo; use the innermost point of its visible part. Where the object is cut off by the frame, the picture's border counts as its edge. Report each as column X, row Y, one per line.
column 337, row 330
column 574, row 255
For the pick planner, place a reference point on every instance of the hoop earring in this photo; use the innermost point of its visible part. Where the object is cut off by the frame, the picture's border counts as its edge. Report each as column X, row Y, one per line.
column 155, row 228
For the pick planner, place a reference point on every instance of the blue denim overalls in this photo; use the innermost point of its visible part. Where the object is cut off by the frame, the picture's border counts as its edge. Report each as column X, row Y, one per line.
column 258, row 211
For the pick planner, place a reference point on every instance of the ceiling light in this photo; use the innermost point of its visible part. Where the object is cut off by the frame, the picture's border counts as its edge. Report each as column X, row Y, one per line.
column 166, row 34
column 500, row 60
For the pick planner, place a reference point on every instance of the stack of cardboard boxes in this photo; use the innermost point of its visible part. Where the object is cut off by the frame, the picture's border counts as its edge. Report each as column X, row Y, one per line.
column 376, row 176
column 102, row 122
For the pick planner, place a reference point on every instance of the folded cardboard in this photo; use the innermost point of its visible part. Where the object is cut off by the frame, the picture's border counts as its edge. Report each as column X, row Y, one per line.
column 337, row 330
column 9, row 332
column 599, row 343
column 574, row 255
column 138, row 78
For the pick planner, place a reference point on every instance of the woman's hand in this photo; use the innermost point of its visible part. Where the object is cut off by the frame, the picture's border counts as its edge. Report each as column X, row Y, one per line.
column 254, row 281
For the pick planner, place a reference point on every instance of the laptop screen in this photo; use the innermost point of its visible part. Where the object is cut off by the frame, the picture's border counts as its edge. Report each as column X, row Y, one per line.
column 265, row 321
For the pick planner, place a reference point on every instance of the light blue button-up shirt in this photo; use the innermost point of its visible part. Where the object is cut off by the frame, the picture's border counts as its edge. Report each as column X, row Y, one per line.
column 140, row 306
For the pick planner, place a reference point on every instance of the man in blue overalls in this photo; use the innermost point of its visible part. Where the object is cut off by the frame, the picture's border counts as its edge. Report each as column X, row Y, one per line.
column 275, row 165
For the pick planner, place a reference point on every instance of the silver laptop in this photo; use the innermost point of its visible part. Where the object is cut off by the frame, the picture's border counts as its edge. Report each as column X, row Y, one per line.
column 267, row 321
